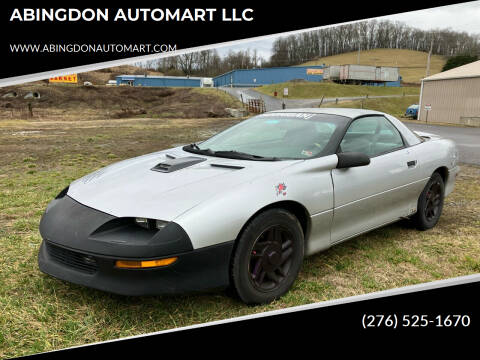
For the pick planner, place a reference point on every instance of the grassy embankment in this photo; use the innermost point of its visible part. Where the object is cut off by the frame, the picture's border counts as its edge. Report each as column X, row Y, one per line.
column 393, row 106
column 317, row 90
column 75, row 102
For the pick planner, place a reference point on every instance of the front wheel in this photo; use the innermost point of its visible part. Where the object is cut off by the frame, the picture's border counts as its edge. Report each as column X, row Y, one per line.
column 430, row 203
column 268, row 257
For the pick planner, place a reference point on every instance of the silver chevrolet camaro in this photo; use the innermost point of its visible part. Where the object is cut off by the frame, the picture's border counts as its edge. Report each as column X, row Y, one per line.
column 243, row 208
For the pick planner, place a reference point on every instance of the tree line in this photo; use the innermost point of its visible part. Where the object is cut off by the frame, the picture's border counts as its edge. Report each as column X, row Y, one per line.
column 206, row 63
column 300, row 48
column 367, row 35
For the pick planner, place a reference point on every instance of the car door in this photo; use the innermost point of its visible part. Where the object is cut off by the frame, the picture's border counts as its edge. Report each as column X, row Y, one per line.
column 370, row 196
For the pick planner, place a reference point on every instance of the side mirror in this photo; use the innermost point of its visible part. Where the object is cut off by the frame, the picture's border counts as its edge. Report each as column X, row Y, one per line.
column 352, row 159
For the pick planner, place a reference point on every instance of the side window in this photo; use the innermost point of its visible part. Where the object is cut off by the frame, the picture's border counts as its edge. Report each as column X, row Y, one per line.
column 372, row 135
column 364, row 126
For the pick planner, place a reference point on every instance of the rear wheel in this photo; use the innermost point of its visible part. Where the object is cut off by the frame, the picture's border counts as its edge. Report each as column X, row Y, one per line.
column 430, row 203
column 268, row 257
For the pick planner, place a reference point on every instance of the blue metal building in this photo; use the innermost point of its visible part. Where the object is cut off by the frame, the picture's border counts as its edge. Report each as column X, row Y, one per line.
column 265, row 76
column 159, row 81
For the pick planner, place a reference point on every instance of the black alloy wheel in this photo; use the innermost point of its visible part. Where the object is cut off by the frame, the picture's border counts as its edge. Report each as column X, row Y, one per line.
column 433, row 200
column 430, row 203
column 271, row 258
column 267, row 257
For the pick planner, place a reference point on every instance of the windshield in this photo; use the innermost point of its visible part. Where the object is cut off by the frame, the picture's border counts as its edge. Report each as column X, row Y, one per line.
column 277, row 136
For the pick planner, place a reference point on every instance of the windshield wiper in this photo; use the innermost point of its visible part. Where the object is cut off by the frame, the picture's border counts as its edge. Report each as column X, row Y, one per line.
column 194, row 148
column 230, row 154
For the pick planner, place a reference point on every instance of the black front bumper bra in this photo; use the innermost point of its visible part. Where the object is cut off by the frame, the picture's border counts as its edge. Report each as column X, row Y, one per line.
column 82, row 245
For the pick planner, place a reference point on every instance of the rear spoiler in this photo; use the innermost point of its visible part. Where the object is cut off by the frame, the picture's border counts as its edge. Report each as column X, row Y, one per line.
column 427, row 136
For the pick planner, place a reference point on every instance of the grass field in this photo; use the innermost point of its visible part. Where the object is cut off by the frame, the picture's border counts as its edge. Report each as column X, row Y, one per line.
column 316, row 90
column 39, row 313
column 394, row 106
column 412, row 64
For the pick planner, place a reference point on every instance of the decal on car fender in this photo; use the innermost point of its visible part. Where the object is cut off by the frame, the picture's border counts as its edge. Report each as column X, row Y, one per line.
column 281, row 189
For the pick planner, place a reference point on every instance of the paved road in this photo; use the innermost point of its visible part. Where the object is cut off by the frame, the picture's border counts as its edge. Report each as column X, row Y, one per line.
column 466, row 138
column 273, row 103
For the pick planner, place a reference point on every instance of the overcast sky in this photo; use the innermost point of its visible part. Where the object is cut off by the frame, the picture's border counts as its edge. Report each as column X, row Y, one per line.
column 460, row 17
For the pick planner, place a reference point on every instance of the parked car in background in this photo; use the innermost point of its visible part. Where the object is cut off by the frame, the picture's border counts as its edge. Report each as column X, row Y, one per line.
column 412, row 111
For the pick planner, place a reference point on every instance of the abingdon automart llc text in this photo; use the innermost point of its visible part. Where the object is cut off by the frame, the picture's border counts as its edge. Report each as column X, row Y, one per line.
column 143, row 14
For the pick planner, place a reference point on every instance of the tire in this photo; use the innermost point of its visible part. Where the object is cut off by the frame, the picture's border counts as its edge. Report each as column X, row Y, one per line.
column 267, row 257
column 430, row 203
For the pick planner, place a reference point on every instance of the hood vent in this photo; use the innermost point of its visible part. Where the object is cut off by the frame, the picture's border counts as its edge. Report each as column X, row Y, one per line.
column 172, row 165
column 228, row 166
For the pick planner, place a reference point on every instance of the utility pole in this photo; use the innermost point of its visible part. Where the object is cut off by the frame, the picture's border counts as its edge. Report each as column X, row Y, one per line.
column 428, row 59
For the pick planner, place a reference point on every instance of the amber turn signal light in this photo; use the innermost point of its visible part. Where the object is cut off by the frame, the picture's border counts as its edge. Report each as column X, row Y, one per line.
column 142, row 264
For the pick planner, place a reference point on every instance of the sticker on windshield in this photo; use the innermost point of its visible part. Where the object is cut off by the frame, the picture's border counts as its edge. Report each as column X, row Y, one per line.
column 281, row 189
column 307, row 153
column 289, row 115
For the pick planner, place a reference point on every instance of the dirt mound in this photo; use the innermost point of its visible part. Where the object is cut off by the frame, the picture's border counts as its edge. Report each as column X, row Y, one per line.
column 113, row 102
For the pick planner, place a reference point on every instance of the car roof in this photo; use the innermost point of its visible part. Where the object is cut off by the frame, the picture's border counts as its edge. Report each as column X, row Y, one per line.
column 411, row 138
column 347, row 112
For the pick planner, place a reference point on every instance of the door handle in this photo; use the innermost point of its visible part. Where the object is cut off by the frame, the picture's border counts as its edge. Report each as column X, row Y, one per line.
column 411, row 163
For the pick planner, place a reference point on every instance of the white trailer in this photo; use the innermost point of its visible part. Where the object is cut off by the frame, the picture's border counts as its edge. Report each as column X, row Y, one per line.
column 355, row 73
column 332, row 72
column 388, row 74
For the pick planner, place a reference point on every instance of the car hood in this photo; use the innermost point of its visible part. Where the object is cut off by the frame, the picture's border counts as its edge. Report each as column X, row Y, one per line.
column 130, row 188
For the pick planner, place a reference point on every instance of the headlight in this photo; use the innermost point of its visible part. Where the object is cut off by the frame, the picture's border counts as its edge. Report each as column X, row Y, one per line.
column 151, row 224
column 160, row 224
column 142, row 222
